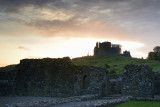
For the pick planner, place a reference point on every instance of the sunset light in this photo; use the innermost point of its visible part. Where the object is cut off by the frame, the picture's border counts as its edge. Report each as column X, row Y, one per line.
column 39, row 47
column 37, row 29
column 79, row 53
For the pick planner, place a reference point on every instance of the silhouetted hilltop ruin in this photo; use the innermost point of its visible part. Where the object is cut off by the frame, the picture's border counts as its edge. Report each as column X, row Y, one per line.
column 106, row 48
column 109, row 49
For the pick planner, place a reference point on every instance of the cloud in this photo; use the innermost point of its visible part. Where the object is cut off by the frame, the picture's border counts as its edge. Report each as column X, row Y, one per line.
column 119, row 20
column 23, row 48
column 97, row 18
column 16, row 5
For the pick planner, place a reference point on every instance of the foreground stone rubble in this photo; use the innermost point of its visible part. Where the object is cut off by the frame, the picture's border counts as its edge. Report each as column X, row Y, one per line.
column 78, row 101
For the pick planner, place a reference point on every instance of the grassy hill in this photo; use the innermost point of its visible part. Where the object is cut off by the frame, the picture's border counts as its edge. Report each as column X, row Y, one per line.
column 116, row 63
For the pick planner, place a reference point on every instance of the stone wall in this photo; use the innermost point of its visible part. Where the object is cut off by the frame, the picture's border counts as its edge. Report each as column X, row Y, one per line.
column 91, row 80
column 61, row 78
column 45, row 77
column 114, row 84
column 7, row 80
column 138, row 81
column 57, row 78
column 105, row 48
column 157, row 83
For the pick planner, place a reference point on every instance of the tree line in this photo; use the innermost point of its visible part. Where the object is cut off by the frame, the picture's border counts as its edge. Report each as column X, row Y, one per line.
column 155, row 55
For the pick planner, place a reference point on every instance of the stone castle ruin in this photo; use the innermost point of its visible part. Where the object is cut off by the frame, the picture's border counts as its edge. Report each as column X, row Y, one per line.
column 61, row 78
column 109, row 49
column 104, row 48
column 52, row 77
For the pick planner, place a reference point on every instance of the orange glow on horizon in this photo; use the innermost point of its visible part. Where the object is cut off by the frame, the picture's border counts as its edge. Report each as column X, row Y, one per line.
column 59, row 47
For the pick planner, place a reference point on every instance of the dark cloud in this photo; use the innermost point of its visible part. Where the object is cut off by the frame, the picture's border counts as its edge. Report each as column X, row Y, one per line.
column 134, row 17
column 23, row 48
column 16, row 5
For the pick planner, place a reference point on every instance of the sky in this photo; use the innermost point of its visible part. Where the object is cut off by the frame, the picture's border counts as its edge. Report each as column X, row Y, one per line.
column 59, row 28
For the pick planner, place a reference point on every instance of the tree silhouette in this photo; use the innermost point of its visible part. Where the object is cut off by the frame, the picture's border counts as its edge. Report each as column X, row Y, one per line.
column 157, row 49
column 155, row 55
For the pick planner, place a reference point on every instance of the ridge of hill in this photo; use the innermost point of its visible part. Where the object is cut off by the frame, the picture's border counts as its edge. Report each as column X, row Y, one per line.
column 116, row 63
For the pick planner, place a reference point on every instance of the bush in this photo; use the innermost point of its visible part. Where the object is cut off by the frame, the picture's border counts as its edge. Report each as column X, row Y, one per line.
column 112, row 71
column 107, row 66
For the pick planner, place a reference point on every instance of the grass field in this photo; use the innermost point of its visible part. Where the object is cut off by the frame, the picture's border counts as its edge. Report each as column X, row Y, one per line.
column 116, row 63
column 140, row 104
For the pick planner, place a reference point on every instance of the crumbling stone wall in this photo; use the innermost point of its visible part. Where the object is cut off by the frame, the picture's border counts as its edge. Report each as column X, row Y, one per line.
column 57, row 78
column 157, row 83
column 45, row 77
column 91, row 80
column 7, row 82
column 61, row 78
column 114, row 84
column 138, row 81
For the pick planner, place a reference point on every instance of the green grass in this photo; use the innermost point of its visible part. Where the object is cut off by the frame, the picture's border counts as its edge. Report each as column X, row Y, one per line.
column 116, row 63
column 139, row 104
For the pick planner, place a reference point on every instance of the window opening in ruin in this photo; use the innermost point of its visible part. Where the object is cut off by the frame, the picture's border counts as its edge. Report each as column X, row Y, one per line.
column 84, row 82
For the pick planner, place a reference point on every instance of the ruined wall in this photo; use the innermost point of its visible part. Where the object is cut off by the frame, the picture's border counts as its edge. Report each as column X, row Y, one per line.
column 157, row 83
column 55, row 77
column 91, row 80
column 61, row 78
column 7, row 80
column 138, row 81
column 43, row 77
column 106, row 48
column 114, row 83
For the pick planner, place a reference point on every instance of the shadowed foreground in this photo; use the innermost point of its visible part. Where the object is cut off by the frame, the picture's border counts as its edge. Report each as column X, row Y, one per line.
column 76, row 101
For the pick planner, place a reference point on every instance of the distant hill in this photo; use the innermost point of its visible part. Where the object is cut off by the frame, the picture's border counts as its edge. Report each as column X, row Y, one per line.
column 116, row 63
